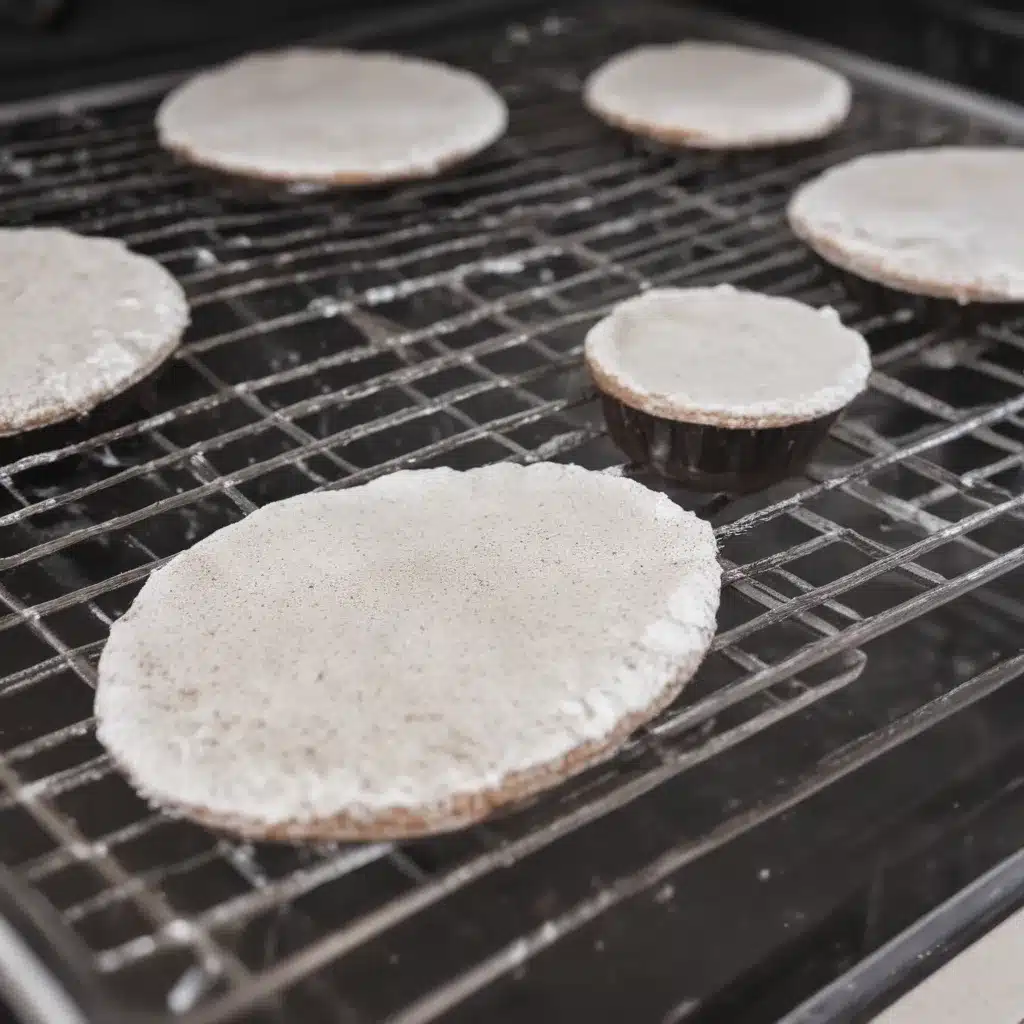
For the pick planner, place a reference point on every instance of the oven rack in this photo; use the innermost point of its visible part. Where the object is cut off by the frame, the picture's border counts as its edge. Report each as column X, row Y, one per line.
column 340, row 336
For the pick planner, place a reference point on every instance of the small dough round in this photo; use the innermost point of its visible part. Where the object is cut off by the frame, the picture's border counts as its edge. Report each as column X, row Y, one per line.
column 946, row 222
column 331, row 116
column 718, row 96
column 727, row 358
column 81, row 320
column 406, row 656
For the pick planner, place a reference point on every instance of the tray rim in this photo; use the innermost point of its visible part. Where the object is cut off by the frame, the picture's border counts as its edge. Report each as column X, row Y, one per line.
column 994, row 111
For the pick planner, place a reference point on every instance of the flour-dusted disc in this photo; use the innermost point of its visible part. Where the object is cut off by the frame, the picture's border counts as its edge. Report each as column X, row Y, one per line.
column 725, row 390
column 718, row 96
column 946, row 222
column 727, row 358
column 406, row 656
column 81, row 320
column 331, row 116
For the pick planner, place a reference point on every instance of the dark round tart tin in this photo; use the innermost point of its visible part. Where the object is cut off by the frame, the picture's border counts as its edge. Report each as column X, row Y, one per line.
column 733, row 460
column 723, row 390
column 944, row 318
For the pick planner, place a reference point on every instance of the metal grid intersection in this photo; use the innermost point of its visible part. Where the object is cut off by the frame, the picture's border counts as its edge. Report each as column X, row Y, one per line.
column 339, row 337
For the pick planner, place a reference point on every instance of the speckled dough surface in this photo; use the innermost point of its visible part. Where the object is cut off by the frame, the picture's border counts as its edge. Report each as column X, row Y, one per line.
column 727, row 358
column 946, row 222
column 81, row 319
column 332, row 116
column 718, row 96
column 407, row 655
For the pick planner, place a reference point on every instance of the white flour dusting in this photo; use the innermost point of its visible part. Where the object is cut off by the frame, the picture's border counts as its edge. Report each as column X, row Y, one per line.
column 726, row 357
column 718, row 96
column 946, row 222
column 82, row 320
column 331, row 116
column 406, row 644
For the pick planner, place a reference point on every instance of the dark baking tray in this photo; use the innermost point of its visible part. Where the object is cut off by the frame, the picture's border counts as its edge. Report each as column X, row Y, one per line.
column 866, row 673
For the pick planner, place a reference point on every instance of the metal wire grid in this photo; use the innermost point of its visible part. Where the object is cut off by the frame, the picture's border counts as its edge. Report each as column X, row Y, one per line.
column 337, row 338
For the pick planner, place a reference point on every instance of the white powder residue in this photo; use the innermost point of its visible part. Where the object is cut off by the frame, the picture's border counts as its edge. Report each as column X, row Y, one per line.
column 326, row 306
column 81, row 319
column 507, row 265
column 405, row 644
column 727, row 357
column 946, row 222
column 331, row 116
column 718, row 96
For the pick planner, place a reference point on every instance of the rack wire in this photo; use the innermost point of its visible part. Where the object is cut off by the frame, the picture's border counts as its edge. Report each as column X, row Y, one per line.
column 338, row 337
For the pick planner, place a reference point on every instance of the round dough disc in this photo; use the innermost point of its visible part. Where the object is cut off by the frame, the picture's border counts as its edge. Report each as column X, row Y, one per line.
column 406, row 656
column 946, row 222
column 82, row 320
column 331, row 116
column 718, row 96
column 727, row 358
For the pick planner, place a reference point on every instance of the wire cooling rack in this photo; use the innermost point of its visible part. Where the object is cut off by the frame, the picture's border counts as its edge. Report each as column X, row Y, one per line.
column 337, row 337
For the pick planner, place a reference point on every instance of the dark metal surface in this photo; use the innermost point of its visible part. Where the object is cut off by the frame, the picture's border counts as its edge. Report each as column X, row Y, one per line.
column 866, row 674
column 33, row 14
column 977, row 45
column 103, row 41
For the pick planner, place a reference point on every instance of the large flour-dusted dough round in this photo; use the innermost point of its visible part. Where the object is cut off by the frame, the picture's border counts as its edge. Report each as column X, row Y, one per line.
column 406, row 656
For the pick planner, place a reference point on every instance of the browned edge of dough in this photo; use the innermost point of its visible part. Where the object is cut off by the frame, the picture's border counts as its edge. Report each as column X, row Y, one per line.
column 40, row 421
column 341, row 180
column 871, row 270
column 703, row 141
column 461, row 810
column 614, row 387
